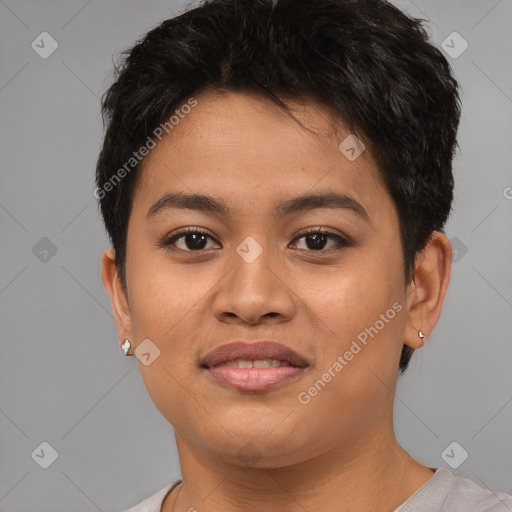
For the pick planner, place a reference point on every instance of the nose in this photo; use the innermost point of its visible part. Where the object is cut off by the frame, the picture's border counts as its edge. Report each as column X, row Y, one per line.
column 254, row 293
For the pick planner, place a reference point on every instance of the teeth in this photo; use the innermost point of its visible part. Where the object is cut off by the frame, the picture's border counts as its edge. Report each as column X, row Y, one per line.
column 266, row 363
column 259, row 363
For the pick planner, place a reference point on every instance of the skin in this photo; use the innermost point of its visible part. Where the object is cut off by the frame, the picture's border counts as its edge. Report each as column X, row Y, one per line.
column 339, row 451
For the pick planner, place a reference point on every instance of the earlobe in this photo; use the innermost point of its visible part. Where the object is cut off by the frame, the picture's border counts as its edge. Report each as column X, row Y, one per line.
column 116, row 292
column 427, row 291
column 423, row 338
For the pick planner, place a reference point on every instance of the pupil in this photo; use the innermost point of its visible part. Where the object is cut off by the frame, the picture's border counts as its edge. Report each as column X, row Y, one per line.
column 196, row 242
column 317, row 237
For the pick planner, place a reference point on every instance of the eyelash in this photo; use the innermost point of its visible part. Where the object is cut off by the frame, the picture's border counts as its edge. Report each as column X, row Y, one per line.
column 342, row 242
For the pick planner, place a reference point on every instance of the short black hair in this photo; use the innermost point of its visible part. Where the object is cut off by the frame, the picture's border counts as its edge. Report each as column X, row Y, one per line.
column 367, row 60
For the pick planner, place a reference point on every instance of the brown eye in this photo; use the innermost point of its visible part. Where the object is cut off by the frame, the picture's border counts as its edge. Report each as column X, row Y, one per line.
column 316, row 240
column 191, row 240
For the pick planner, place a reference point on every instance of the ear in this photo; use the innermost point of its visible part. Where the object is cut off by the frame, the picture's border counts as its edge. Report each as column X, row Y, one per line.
column 118, row 299
column 426, row 293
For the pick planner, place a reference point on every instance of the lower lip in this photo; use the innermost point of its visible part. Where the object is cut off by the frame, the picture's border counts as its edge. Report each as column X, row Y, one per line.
column 253, row 379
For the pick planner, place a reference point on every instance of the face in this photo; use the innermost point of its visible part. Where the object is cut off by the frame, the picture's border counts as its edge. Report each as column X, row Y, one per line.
column 323, row 278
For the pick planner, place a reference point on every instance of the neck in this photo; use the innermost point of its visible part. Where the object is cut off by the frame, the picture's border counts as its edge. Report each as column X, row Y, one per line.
column 374, row 474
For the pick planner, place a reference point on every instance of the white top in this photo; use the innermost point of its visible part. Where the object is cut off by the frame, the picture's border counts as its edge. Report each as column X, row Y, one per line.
column 154, row 502
column 444, row 492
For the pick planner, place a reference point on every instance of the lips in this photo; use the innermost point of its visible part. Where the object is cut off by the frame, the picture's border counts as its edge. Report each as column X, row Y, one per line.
column 255, row 366
column 253, row 351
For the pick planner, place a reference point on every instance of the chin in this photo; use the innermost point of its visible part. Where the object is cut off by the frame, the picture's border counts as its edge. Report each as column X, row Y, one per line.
column 260, row 446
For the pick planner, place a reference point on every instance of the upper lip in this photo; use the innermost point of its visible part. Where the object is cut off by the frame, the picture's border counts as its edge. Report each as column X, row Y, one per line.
column 251, row 351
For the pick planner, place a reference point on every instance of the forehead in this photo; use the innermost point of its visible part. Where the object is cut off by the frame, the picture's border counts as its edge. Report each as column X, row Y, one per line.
column 242, row 146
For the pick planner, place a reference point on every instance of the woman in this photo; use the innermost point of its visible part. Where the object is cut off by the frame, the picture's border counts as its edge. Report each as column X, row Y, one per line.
column 275, row 178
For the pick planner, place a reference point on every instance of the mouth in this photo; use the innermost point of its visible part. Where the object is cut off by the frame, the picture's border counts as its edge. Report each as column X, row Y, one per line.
column 254, row 366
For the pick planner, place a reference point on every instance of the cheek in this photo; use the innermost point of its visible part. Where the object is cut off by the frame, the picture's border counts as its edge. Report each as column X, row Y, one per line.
column 352, row 296
column 362, row 305
column 161, row 293
column 365, row 316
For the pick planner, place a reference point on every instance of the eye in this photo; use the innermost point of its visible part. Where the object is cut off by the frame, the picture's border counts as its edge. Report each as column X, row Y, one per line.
column 318, row 238
column 195, row 240
column 191, row 240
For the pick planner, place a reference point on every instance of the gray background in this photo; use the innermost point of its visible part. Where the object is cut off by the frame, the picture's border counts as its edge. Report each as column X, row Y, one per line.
column 63, row 379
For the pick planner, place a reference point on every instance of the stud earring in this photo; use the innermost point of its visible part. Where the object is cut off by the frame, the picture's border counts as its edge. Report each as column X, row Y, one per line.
column 422, row 337
column 125, row 347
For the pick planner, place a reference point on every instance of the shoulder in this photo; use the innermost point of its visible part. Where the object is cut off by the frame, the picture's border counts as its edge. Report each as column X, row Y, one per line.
column 154, row 502
column 448, row 493
column 467, row 495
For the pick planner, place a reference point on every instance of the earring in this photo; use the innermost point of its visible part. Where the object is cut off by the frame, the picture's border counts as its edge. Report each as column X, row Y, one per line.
column 422, row 337
column 125, row 347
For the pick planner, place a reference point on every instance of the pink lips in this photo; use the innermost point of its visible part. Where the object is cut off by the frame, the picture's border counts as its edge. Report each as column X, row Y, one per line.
column 253, row 379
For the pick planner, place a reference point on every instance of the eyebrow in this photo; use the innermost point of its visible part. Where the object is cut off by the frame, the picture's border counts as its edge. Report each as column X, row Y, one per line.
column 305, row 202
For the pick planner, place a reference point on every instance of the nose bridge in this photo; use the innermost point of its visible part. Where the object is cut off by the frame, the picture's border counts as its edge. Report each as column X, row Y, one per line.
column 252, row 266
column 253, row 287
